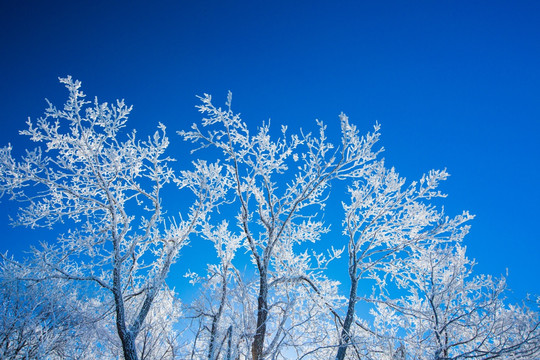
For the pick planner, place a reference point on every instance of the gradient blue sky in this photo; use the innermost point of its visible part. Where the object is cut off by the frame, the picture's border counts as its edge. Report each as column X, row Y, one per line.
column 455, row 84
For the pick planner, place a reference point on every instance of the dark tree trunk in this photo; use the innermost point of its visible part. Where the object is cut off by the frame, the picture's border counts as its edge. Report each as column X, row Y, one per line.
column 345, row 331
column 126, row 337
column 128, row 346
column 229, row 343
column 257, row 347
column 216, row 320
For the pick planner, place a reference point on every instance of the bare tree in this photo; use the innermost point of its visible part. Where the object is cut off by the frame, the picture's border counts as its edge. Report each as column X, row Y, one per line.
column 109, row 191
column 279, row 186
column 43, row 319
column 213, row 309
column 105, row 187
column 451, row 314
column 385, row 222
column 159, row 337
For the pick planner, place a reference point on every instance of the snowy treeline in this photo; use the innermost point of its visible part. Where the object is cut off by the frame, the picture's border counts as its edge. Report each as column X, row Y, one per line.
column 101, row 290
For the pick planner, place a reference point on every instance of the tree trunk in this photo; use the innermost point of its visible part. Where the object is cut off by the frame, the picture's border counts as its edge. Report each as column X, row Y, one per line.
column 229, row 343
column 126, row 337
column 216, row 319
column 128, row 346
column 345, row 332
column 213, row 338
column 257, row 347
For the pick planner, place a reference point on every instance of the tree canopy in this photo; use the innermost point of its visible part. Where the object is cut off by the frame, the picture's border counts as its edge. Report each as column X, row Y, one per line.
column 260, row 198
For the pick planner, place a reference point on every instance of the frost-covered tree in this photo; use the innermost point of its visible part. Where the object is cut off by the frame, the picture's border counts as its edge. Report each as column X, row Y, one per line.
column 159, row 338
column 106, row 185
column 224, row 315
column 386, row 221
column 44, row 318
column 449, row 313
column 280, row 185
column 214, row 311
column 100, row 291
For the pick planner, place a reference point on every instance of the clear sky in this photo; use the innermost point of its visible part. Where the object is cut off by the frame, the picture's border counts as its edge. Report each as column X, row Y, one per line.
column 454, row 84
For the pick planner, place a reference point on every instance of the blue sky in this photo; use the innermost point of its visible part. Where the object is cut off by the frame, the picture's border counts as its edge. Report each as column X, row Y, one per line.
column 454, row 85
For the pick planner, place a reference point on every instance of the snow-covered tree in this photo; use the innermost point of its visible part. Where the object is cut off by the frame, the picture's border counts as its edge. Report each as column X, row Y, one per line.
column 449, row 313
column 43, row 318
column 159, row 338
column 213, row 312
column 106, row 185
column 100, row 290
column 385, row 222
column 280, row 185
